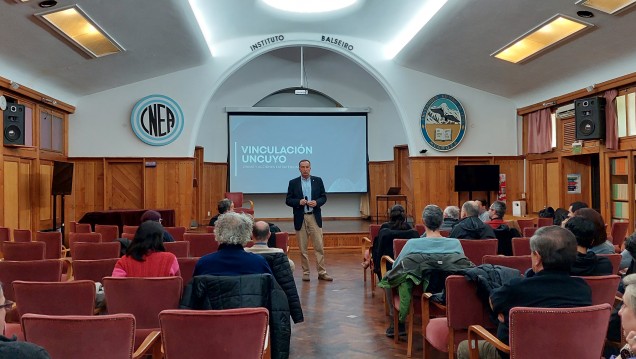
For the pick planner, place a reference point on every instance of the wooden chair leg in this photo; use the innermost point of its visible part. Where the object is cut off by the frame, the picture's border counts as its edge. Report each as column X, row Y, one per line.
column 409, row 331
column 396, row 327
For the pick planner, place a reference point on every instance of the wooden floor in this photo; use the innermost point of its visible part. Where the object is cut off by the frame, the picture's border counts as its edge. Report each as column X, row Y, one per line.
column 331, row 225
column 342, row 319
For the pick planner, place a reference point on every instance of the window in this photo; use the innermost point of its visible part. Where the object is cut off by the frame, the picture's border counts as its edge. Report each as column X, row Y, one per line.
column 51, row 131
column 554, row 130
column 626, row 112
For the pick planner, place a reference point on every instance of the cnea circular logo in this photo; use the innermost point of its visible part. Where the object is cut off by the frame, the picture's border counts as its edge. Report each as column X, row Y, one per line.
column 157, row 120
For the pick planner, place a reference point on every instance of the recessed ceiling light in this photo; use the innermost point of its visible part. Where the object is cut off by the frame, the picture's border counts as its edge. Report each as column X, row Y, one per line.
column 607, row 6
column 47, row 4
column 420, row 18
column 554, row 30
column 585, row 14
column 309, row 6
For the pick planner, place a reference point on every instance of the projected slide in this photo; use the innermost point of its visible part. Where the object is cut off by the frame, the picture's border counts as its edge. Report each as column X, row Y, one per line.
column 265, row 150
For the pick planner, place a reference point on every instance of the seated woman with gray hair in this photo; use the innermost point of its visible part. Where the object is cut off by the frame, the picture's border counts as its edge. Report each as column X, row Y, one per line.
column 628, row 318
column 233, row 231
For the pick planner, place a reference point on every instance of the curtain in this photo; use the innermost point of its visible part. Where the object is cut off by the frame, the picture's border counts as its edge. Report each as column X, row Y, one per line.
column 540, row 131
column 611, row 120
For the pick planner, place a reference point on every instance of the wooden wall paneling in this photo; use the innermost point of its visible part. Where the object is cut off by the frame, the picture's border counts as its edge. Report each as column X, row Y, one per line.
column 577, row 165
column 537, row 193
column 11, row 193
column 197, row 191
column 403, row 177
column 25, row 187
column 514, row 170
column 169, row 185
column 45, row 200
column 433, row 183
column 124, row 185
column 554, row 180
column 88, row 188
column 381, row 177
column 215, row 186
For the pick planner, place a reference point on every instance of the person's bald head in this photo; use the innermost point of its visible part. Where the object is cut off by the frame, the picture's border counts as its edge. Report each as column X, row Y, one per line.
column 261, row 231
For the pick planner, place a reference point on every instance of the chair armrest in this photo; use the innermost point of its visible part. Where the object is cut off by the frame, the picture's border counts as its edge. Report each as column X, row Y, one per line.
column 69, row 269
column 152, row 341
column 476, row 332
column 383, row 261
column 251, row 204
column 365, row 243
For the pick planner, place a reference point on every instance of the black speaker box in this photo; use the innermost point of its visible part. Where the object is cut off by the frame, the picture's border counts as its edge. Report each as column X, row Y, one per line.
column 62, row 178
column 590, row 118
column 13, row 120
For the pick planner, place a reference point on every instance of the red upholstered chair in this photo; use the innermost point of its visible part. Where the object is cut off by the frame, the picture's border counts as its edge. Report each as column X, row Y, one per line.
column 186, row 267
column 420, row 229
column 603, row 288
column 22, row 235
column 102, row 250
column 524, row 223
column 195, row 333
column 144, row 298
column 209, row 229
column 367, row 257
column 23, row 251
column 72, row 225
column 529, row 231
column 463, row 309
column 176, row 232
column 129, row 236
column 83, row 228
column 179, row 249
column 201, row 243
column 94, row 270
column 83, row 237
column 565, row 337
column 615, row 259
column 109, row 232
column 129, row 229
column 618, row 234
column 237, row 199
column 476, row 249
column 444, row 233
column 95, row 337
column 521, row 263
column 5, row 234
column 282, row 241
column 54, row 247
column 544, row 222
column 521, row 246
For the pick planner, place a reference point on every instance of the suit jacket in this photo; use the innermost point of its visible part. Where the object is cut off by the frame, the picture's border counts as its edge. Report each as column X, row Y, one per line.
column 295, row 194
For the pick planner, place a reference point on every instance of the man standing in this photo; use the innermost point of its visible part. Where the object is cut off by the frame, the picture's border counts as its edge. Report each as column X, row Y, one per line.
column 306, row 194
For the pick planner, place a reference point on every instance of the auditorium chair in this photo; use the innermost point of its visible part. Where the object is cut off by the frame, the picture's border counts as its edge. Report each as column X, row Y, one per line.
column 237, row 199
column 544, row 222
column 201, row 243
column 54, row 247
column 367, row 257
column 521, row 263
column 92, row 251
column 176, row 232
column 529, row 231
column 83, row 228
column 129, row 229
column 444, row 233
column 186, row 267
column 521, row 246
column 209, row 229
column 94, row 270
column 420, row 228
column 109, row 232
column 23, row 251
column 129, row 236
column 603, row 288
column 179, row 249
column 565, row 336
column 615, row 259
column 524, row 223
column 22, row 235
column 282, row 241
column 618, row 234
column 476, row 249
column 189, row 334
column 90, row 336
column 5, row 234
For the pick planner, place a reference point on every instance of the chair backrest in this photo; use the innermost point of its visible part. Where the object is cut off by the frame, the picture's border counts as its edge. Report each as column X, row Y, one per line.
column 186, row 267
column 48, row 270
column 143, row 297
column 83, row 237
column 544, row 222
column 23, row 251
column 88, row 250
column 53, row 242
column 236, row 198
column 398, row 245
column 565, row 327
column 374, row 229
column 208, row 229
column 476, row 249
column 282, row 241
column 5, row 234
column 176, row 232
column 22, row 235
column 129, row 229
column 129, row 236
column 615, row 259
column 94, row 270
column 201, row 243
column 529, row 231
column 603, row 288
column 444, row 233
column 523, row 223
column 619, row 232
column 522, row 263
column 109, row 232
column 83, row 228
column 79, row 336
column 179, row 249
column 521, row 246
column 55, row 298
column 195, row 333
column 420, row 228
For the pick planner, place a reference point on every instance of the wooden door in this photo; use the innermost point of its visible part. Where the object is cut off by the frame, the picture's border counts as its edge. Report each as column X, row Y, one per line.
column 124, row 185
column 17, row 193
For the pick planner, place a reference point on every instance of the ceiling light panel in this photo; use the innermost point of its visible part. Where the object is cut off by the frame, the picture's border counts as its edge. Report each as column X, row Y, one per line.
column 607, row 6
column 76, row 26
column 419, row 20
column 555, row 30
column 309, row 6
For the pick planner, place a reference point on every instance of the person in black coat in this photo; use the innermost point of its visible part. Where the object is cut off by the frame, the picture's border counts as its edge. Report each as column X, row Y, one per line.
column 587, row 263
column 471, row 227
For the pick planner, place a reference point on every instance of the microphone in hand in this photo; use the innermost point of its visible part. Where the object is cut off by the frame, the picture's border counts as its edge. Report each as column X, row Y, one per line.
column 306, row 205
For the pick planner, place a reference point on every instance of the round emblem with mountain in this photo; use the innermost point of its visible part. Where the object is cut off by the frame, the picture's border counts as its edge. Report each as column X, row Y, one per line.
column 443, row 122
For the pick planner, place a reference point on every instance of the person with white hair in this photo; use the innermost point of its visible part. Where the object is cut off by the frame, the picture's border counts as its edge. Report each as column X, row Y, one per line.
column 451, row 217
column 233, row 231
column 628, row 318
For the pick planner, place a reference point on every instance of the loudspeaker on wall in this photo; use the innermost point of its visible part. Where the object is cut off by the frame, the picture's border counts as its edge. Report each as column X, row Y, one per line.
column 590, row 118
column 13, row 119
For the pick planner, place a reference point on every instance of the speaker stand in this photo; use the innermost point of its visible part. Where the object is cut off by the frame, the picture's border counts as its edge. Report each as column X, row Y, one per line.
column 61, row 214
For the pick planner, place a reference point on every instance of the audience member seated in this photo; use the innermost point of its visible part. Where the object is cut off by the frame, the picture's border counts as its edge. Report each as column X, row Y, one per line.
column 587, row 263
column 560, row 215
column 233, row 230
column 553, row 253
column 10, row 347
column 451, row 217
column 628, row 254
column 470, row 226
column 261, row 235
column 575, row 206
column 223, row 206
column 156, row 217
column 628, row 318
column 395, row 228
column 146, row 255
column 600, row 245
column 482, row 206
column 503, row 232
column 434, row 253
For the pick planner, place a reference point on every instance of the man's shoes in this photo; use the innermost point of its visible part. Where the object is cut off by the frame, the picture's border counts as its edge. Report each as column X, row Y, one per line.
column 306, row 277
column 390, row 332
column 325, row 277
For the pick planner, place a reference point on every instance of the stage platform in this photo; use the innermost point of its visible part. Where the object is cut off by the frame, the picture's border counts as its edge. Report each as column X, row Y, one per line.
column 338, row 234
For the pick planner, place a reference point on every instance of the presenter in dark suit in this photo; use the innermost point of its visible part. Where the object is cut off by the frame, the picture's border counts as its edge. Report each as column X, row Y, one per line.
column 306, row 194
